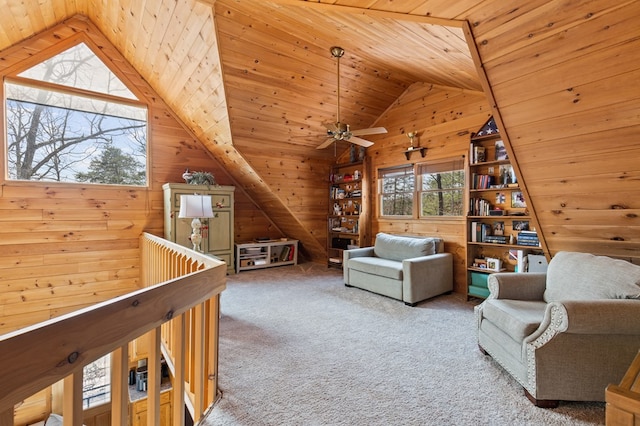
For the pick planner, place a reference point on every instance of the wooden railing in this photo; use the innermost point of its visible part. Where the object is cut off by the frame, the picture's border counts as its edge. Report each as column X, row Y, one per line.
column 177, row 310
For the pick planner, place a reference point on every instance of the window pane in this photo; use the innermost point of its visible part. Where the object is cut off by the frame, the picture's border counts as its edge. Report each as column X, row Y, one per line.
column 397, row 191
column 47, row 143
column 78, row 67
column 441, row 189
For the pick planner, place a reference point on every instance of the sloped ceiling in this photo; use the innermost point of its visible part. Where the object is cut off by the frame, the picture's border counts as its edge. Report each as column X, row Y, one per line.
column 255, row 82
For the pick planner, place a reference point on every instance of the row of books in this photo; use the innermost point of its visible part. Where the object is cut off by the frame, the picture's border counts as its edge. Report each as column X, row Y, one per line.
column 338, row 193
column 479, row 181
column 528, row 238
column 287, row 253
column 477, row 154
column 479, row 207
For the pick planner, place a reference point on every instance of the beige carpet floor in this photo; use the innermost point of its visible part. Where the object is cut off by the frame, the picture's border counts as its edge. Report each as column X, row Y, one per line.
column 297, row 347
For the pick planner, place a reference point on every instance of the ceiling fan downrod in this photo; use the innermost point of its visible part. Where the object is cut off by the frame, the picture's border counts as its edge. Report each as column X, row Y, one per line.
column 337, row 52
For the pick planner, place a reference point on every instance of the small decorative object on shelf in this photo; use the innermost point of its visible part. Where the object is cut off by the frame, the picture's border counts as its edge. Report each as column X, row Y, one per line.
column 199, row 178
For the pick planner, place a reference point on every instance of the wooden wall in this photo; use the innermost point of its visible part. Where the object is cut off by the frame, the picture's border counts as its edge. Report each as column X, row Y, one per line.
column 444, row 117
column 566, row 79
column 65, row 246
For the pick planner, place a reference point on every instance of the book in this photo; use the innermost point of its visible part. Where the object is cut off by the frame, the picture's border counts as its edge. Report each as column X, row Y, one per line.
column 284, row 255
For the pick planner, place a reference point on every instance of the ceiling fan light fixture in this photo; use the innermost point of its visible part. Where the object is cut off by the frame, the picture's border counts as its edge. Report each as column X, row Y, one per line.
column 337, row 51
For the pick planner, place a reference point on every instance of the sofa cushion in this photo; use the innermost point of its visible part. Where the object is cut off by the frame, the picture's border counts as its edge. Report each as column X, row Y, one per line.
column 517, row 318
column 377, row 266
column 397, row 247
column 584, row 276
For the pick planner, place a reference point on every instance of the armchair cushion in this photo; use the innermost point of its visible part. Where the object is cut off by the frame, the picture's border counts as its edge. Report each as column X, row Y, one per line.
column 401, row 247
column 584, row 276
column 517, row 318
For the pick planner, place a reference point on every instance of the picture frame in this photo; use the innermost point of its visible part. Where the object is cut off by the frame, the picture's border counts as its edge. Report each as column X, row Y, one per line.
column 500, row 151
column 493, row 263
column 498, row 228
column 520, row 225
column 517, row 200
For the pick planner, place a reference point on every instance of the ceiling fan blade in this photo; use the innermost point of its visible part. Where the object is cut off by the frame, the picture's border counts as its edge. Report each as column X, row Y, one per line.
column 359, row 141
column 371, row 131
column 325, row 143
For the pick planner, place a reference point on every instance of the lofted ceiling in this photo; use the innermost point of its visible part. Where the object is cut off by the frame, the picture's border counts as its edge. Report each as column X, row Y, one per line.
column 256, row 83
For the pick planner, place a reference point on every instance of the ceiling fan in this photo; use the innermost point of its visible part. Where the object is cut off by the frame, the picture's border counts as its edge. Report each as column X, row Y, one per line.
column 340, row 131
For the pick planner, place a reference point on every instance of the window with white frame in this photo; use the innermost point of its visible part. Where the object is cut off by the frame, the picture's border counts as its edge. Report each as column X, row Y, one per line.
column 71, row 119
column 441, row 188
column 397, row 190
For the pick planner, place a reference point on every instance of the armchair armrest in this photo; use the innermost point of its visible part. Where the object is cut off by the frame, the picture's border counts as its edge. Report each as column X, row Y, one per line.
column 350, row 254
column 524, row 286
column 605, row 316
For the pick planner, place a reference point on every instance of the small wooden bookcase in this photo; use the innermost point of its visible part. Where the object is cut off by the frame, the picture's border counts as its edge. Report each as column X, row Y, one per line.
column 265, row 254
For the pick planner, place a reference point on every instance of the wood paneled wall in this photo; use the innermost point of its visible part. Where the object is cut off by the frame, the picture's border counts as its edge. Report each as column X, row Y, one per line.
column 65, row 246
column 444, row 117
column 566, row 79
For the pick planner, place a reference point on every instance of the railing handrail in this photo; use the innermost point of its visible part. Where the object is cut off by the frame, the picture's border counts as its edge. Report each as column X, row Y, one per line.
column 43, row 354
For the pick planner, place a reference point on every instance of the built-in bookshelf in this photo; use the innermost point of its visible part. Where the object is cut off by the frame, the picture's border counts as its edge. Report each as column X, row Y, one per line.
column 500, row 232
column 347, row 223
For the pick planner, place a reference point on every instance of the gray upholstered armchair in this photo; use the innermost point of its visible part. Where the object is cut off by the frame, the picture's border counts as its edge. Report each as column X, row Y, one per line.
column 566, row 334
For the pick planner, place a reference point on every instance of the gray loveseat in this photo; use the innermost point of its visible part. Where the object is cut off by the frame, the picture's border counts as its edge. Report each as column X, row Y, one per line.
column 566, row 334
column 406, row 268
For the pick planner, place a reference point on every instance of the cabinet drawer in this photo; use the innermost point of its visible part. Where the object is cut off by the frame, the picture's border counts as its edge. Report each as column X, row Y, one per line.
column 218, row 201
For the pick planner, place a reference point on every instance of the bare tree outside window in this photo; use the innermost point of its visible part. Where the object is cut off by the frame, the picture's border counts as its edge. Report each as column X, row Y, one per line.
column 56, row 133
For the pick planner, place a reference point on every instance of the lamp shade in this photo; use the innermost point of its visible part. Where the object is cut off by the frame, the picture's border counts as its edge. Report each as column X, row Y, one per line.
column 195, row 206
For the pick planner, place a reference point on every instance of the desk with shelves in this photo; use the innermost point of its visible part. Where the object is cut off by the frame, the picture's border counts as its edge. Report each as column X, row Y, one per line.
column 266, row 254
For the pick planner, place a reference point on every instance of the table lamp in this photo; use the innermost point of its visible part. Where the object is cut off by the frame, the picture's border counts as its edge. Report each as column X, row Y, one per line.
column 195, row 206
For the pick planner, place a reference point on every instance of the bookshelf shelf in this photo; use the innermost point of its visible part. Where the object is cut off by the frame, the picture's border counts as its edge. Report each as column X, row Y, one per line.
column 266, row 254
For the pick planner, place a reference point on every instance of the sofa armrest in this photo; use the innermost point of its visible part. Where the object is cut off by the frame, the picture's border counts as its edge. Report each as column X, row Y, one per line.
column 427, row 276
column 521, row 286
column 350, row 254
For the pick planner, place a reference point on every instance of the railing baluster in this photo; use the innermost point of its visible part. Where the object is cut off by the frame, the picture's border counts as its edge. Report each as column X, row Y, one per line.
column 119, row 388
column 72, row 402
column 179, row 366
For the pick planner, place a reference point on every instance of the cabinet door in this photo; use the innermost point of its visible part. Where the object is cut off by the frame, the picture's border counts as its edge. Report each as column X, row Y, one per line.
column 183, row 231
column 219, row 238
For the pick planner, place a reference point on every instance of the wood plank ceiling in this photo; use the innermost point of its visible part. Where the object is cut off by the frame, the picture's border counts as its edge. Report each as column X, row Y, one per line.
column 255, row 82
column 260, row 75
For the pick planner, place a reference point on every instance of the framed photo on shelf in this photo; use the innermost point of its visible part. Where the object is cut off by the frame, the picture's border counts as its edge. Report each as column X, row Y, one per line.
column 498, row 228
column 501, row 151
column 493, row 263
column 520, row 225
column 517, row 200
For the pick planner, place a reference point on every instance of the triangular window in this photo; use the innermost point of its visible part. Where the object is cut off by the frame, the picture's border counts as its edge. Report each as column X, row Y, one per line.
column 80, row 68
column 71, row 119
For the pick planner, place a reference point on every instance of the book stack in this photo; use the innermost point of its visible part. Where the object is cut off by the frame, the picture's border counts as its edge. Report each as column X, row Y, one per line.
column 481, row 181
column 479, row 207
column 528, row 238
column 480, row 232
